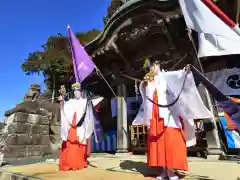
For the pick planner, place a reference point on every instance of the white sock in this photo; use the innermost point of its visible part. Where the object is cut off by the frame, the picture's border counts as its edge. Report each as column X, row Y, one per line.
column 161, row 177
column 174, row 177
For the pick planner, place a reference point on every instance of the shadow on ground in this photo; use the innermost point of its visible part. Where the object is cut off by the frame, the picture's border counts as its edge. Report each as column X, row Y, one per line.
column 16, row 176
column 44, row 175
column 141, row 167
column 192, row 176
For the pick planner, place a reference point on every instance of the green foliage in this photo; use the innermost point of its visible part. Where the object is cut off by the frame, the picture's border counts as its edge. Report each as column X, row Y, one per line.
column 88, row 36
column 105, row 20
column 54, row 61
column 47, row 94
column 115, row 4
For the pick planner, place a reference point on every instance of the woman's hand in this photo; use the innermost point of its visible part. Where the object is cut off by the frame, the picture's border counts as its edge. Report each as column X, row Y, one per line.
column 60, row 98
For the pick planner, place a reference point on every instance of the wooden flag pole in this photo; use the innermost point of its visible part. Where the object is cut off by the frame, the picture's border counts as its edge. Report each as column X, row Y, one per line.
column 98, row 71
column 209, row 98
column 222, row 15
column 195, row 49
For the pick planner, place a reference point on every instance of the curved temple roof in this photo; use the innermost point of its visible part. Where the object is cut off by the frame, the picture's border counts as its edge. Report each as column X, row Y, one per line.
column 125, row 9
column 119, row 20
column 167, row 9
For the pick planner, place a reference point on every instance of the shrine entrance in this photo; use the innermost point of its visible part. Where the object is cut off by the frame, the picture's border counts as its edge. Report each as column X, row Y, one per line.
column 141, row 29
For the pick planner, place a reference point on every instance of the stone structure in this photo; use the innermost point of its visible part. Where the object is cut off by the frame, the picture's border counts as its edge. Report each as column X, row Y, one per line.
column 33, row 93
column 32, row 128
column 35, row 103
column 26, row 135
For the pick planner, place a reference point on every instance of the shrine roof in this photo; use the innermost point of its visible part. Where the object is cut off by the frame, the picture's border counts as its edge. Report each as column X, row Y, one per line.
column 123, row 10
column 111, row 20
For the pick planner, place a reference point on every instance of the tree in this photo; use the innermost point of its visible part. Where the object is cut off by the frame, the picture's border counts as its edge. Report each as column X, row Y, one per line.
column 55, row 61
column 115, row 4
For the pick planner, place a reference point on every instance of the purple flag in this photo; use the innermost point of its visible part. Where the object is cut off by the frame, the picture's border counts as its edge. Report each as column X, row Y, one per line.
column 82, row 63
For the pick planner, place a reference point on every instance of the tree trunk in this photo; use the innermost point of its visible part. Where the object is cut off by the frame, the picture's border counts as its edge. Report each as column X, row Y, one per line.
column 53, row 91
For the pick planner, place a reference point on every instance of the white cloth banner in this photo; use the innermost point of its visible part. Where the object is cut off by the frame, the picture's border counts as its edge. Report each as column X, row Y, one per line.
column 226, row 80
column 97, row 100
column 215, row 37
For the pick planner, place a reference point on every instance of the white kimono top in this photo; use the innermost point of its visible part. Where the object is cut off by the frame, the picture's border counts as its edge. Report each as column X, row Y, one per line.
column 189, row 105
column 80, row 107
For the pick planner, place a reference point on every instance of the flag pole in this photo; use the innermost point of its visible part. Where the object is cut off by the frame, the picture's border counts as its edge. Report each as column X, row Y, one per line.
column 217, row 11
column 194, row 49
column 98, row 71
column 209, row 98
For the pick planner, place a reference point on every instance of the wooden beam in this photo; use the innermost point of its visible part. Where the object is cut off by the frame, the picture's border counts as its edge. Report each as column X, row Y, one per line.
column 164, row 29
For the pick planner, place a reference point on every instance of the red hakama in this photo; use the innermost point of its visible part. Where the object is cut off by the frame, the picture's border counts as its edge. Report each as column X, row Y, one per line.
column 72, row 154
column 166, row 145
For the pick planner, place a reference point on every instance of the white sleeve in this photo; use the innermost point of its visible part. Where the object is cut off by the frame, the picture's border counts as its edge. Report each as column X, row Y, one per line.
column 86, row 129
column 189, row 104
column 66, row 119
column 143, row 115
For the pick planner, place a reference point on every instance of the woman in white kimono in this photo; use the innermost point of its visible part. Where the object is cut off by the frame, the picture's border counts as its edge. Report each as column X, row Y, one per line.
column 78, row 123
column 170, row 129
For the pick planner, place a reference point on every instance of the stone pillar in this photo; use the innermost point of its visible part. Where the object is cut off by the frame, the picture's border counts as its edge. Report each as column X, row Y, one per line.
column 122, row 129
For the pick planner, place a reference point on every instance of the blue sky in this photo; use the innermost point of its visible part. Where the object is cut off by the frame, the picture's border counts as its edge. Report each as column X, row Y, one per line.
column 26, row 25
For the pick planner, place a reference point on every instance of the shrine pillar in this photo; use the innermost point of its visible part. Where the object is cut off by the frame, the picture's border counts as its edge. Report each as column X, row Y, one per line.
column 122, row 123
